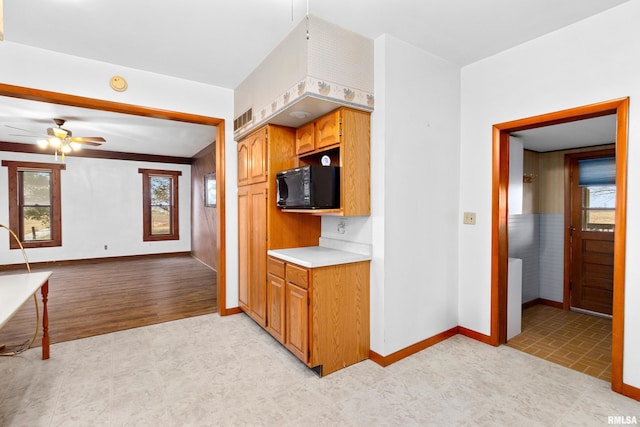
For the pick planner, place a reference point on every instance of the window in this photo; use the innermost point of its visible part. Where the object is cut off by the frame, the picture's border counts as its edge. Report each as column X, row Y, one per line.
column 160, row 204
column 34, row 203
column 597, row 180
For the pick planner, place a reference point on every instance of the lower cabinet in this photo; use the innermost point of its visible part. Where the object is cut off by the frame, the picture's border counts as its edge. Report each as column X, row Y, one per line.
column 320, row 314
column 276, row 290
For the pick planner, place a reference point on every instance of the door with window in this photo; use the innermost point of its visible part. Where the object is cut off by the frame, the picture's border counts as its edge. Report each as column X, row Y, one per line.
column 592, row 228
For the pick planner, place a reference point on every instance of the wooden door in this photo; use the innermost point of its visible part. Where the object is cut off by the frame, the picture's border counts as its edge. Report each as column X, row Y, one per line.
column 591, row 233
column 244, row 241
column 297, row 321
column 243, row 163
column 328, row 129
column 305, row 138
column 258, row 160
column 258, row 253
column 276, row 306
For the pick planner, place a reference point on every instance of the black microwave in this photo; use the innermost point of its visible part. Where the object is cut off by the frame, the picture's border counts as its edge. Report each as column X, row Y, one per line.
column 309, row 187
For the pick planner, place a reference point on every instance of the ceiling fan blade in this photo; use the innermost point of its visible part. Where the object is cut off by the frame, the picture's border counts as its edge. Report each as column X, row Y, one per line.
column 81, row 142
column 87, row 139
column 24, row 130
column 26, row 136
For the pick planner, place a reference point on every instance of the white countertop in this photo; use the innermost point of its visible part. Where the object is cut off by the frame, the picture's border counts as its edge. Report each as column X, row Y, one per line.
column 15, row 290
column 317, row 256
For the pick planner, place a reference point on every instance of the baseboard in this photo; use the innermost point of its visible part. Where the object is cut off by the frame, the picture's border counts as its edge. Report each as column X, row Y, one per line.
column 542, row 301
column 229, row 311
column 412, row 349
column 486, row 339
column 548, row 302
column 630, row 391
column 94, row 260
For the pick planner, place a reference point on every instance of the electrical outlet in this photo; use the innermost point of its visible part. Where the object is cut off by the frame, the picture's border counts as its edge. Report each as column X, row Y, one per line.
column 469, row 218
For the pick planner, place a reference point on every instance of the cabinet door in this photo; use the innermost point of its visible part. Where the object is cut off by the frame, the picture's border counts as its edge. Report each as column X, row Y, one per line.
column 297, row 323
column 328, row 130
column 243, row 163
column 305, row 138
column 258, row 253
column 258, row 157
column 275, row 306
column 244, row 240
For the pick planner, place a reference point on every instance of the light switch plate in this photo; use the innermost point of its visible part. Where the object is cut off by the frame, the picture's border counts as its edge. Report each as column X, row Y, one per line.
column 469, row 218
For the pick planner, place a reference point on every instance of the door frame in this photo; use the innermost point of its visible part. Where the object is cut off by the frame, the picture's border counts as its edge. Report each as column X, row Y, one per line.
column 99, row 104
column 499, row 218
column 566, row 294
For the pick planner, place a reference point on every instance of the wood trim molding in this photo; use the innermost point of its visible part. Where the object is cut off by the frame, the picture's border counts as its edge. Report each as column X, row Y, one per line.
column 97, row 154
column 499, row 241
column 620, row 244
column 221, row 241
column 98, row 104
column 45, row 264
column 543, row 301
column 475, row 335
column 412, row 349
column 630, row 391
column 230, row 311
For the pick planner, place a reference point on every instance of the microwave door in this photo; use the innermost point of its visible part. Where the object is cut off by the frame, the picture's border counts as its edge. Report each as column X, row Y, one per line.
column 282, row 189
column 291, row 192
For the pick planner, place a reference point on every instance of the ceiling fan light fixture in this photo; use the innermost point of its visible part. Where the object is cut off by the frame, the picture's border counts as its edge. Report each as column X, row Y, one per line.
column 54, row 142
column 65, row 148
column 43, row 143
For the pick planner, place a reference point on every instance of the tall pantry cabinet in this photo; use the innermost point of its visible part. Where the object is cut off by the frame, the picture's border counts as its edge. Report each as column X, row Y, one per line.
column 261, row 224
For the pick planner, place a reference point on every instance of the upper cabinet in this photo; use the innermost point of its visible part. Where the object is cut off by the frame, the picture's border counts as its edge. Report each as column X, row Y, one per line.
column 342, row 138
column 252, row 158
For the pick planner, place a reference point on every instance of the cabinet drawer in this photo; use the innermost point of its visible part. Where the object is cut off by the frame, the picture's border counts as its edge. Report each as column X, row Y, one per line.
column 298, row 276
column 275, row 267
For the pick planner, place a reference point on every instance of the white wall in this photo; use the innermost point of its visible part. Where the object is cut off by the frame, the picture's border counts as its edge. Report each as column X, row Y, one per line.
column 415, row 133
column 101, row 205
column 31, row 67
column 591, row 61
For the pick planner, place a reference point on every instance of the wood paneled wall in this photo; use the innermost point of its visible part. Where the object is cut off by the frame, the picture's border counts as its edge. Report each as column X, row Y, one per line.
column 552, row 178
column 203, row 218
column 530, row 187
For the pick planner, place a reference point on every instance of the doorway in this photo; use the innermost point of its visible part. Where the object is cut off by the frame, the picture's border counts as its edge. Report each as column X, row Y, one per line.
column 97, row 104
column 499, row 248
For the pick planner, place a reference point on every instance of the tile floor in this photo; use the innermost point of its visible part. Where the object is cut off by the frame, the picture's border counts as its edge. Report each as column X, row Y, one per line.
column 213, row 371
column 576, row 340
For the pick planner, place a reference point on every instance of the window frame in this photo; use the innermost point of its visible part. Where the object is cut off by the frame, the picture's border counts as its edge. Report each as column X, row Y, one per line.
column 15, row 198
column 147, row 174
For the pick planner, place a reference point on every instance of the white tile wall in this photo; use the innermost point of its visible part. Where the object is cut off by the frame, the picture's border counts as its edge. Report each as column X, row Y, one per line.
column 552, row 256
column 524, row 243
column 538, row 239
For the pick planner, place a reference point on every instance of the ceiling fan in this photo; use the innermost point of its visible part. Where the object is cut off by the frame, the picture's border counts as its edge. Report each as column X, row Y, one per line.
column 62, row 140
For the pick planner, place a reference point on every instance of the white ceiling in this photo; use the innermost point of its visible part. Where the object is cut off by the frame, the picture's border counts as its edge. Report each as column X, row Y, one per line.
column 221, row 42
column 582, row 133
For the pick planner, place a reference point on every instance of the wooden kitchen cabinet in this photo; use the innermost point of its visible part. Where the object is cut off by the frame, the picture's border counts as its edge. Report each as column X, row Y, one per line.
column 252, row 158
column 328, row 129
column 261, row 224
column 252, row 249
column 344, row 137
column 305, row 139
column 326, row 313
column 276, row 290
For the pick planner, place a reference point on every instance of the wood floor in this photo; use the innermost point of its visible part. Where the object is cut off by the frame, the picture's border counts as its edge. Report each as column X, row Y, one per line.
column 106, row 296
